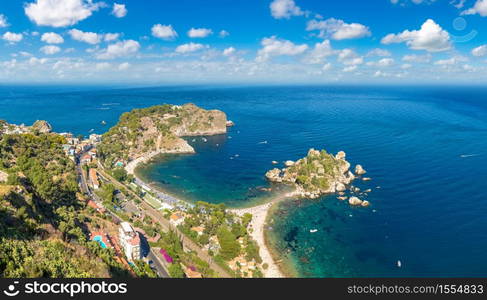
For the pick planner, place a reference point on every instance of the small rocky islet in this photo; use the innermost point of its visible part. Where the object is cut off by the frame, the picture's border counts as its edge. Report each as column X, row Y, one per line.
column 321, row 173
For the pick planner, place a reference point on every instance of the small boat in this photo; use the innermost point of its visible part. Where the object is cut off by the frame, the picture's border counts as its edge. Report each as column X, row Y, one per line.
column 468, row 155
column 313, row 230
column 91, row 130
column 204, row 140
column 399, row 264
column 264, row 142
column 103, row 123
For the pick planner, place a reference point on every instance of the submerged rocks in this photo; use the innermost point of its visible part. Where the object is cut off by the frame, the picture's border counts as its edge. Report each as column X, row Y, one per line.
column 341, row 155
column 274, row 175
column 340, row 187
column 289, row 163
column 355, row 201
column 359, row 170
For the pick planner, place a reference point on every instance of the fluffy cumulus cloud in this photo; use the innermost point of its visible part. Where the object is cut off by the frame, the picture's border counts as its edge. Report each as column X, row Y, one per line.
column 86, row 37
column 165, row 32
column 120, row 49
column 431, row 37
column 417, row 58
column 3, row 21
column 320, row 52
column 110, row 37
column 223, row 34
column 349, row 57
column 379, row 52
column 480, row 51
column 338, row 29
column 119, row 10
column 50, row 50
column 382, row 63
column 276, row 47
column 12, row 37
column 285, row 9
column 480, row 7
column 229, row 51
column 199, row 32
column 52, row 38
column 60, row 13
column 190, row 47
column 123, row 66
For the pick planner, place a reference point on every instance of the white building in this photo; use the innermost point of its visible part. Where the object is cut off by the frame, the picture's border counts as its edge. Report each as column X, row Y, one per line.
column 130, row 241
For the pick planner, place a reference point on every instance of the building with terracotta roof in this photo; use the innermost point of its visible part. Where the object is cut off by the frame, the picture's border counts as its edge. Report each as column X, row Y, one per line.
column 130, row 241
column 94, row 179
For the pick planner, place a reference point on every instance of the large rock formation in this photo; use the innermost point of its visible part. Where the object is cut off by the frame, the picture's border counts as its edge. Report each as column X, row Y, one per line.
column 42, row 126
column 317, row 174
column 159, row 129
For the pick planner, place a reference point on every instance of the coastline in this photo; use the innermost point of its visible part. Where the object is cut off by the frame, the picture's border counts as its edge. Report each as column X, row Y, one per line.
column 260, row 217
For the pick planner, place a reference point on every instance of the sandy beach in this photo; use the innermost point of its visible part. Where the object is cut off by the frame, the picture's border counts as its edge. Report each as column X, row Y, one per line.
column 259, row 214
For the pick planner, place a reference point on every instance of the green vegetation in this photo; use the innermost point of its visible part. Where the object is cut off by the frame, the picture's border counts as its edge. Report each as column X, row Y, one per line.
column 155, row 128
column 43, row 229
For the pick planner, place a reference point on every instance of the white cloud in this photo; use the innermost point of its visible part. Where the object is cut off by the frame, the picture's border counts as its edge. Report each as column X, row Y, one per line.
column 86, row 37
column 480, row 51
column 338, row 29
column 52, row 38
column 417, row 58
column 320, row 52
column 199, row 32
column 229, row 51
column 3, row 21
column 188, row 48
column 450, row 61
column 120, row 49
column 110, row 37
column 50, row 50
column 480, row 8
column 385, row 62
column 379, row 52
column 350, row 68
column 276, row 47
column 406, row 66
column 119, row 10
column 165, row 32
column 285, row 9
column 124, row 66
column 12, row 37
column 35, row 61
column 431, row 37
column 223, row 34
column 102, row 66
column 349, row 57
column 60, row 13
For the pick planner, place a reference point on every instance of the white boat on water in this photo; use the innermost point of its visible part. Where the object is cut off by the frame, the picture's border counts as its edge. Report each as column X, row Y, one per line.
column 313, row 230
column 399, row 264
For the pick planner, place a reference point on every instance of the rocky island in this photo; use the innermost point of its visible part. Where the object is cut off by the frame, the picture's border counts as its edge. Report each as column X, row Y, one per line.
column 144, row 133
column 317, row 174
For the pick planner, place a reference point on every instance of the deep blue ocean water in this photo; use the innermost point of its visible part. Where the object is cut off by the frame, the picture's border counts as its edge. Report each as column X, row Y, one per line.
column 426, row 147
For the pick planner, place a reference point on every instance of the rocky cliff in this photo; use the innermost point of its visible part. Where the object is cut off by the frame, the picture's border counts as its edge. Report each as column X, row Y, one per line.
column 158, row 129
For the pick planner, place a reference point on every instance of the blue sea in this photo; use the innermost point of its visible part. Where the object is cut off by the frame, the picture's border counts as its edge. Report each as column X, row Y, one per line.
column 425, row 149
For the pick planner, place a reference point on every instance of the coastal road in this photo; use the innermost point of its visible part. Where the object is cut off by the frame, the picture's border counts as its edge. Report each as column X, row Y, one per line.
column 156, row 215
column 157, row 264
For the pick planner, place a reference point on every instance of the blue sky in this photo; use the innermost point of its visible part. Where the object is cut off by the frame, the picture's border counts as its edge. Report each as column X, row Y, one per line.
column 243, row 41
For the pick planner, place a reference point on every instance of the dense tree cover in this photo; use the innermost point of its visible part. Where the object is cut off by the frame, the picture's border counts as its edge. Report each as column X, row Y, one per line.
column 43, row 229
column 230, row 248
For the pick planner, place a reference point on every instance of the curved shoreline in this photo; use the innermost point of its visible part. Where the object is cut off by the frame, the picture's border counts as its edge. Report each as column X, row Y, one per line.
column 260, row 217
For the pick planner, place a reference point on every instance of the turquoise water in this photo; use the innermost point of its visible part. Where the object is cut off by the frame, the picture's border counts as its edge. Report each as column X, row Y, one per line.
column 99, row 239
column 424, row 146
